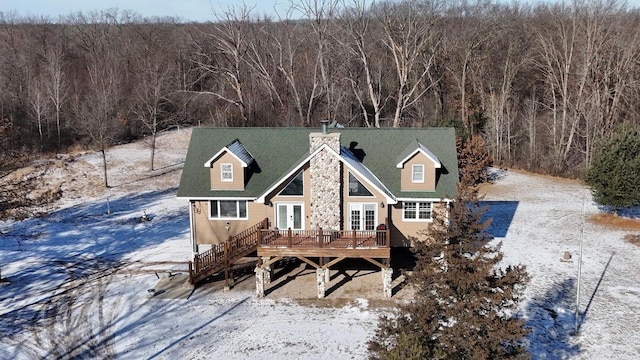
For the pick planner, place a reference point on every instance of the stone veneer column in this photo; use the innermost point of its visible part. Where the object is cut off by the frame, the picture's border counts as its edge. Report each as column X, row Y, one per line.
column 260, row 275
column 325, row 182
column 268, row 270
column 387, row 276
column 321, row 277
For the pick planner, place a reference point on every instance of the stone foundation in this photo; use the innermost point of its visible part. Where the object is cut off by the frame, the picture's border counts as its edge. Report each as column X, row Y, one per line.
column 387, row 277
column 230, row 281
column 260, row 281
column 268, row 270
column 321, row 277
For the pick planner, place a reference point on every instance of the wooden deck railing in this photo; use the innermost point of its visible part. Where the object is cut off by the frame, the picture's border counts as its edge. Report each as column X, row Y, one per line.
column 223, row 255
column 344, row 239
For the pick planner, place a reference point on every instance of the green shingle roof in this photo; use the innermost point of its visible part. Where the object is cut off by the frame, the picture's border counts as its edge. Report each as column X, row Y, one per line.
column 277, row 150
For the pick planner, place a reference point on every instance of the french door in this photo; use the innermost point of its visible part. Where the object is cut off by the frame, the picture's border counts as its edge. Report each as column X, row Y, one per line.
column 362, row 216
column 289, row 215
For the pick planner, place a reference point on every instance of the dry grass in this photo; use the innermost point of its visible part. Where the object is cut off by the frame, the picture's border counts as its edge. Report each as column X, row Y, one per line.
column 632, row 239
column 614, row 221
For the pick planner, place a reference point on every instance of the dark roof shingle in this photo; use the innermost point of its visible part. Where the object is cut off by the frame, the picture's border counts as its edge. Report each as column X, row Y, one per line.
column 277, row 150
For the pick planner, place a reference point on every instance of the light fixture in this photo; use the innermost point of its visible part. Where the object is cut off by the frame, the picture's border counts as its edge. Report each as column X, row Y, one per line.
column 382, row 204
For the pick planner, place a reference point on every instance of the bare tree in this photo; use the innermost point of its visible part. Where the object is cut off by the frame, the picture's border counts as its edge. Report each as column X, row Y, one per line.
column 604, row 71
column 38, row 102
column 261, row 61
column 156, row 77
column 56, row 86
column 288, row 50
column 510, row 51
column 222, row 60
column 465, row 38
column 411, row 38
column 97, row 104
column 320, row 15
column 557, row 43
column 356, row 22
column 530, row 120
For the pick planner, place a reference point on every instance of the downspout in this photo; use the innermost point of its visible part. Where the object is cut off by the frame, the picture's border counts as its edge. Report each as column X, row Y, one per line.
column 192, row 228
column 448, row 202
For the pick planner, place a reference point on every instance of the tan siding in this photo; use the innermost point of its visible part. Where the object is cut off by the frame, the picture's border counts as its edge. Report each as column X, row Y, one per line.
column 214, row 232
column 404, row 233
column 238, row 173
column 378, row 197
column 304, row 198
column 429, row 174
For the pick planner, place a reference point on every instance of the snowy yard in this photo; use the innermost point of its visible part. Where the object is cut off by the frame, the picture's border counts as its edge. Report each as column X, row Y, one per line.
column 78, row 277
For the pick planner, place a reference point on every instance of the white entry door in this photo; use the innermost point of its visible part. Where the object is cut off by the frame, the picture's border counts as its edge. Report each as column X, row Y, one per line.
column 289, row 216
column 362, row 216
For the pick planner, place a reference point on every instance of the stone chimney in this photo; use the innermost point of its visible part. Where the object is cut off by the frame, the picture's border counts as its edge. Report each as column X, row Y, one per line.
column 318, row 139
column 325, row 180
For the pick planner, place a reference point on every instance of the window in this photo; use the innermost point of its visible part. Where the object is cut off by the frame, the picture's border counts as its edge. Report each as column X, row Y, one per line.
column 417, row 173
column 295, row 186
column 362, row 216
column 227, row 209
column 416, row 211
column 356, row 188
column 226, row 172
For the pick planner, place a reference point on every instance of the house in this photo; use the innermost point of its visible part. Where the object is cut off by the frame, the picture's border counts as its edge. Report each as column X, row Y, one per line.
column 321, row 195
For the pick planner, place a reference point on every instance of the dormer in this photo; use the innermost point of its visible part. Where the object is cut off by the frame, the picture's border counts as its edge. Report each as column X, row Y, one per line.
column 229, row 167
column 418, row 168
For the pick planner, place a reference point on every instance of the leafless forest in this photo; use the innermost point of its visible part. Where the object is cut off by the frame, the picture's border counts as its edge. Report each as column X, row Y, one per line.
column 541, row 83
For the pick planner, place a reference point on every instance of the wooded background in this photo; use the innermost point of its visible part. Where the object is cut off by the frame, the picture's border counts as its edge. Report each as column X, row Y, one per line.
column 541, row 83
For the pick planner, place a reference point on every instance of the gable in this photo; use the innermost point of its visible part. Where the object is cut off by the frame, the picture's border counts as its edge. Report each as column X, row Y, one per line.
column 415, row 147
column 347, row 159
column 237, row 150
column 428, row 171
column 226, row 172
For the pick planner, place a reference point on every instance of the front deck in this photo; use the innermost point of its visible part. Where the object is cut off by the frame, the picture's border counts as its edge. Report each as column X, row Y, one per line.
column 328, row 246
column 325, row 243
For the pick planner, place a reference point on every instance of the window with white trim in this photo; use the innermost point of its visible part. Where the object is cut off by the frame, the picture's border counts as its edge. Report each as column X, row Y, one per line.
column 226, row 172
column 228, row 209
column 417, row 173
column 416, row 211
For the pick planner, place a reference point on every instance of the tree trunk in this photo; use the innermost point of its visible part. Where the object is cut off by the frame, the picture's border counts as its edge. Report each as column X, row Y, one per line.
column 104, row 167
column 153, row 149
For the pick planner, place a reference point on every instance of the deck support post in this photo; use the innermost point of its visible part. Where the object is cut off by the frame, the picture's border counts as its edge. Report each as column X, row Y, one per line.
column 327, row 273
column 387, row 276
column 320, row 277
column 227, row 282
column 268, row 270
column 230, row 278
column 260, row 283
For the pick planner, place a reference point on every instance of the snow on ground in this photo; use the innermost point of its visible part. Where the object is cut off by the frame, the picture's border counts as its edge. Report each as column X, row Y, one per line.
column 537, row 219
column 78, row 277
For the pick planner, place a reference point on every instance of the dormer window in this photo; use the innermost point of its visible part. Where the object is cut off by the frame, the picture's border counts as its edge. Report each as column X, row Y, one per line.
column 226, row 172
column 417, row 173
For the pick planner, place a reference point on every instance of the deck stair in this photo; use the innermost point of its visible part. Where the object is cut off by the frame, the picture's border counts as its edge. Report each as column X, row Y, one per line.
column 223, row 256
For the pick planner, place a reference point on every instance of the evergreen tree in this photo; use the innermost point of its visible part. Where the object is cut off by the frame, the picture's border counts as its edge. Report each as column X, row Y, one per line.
column 614, row 174
column 464, row 304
